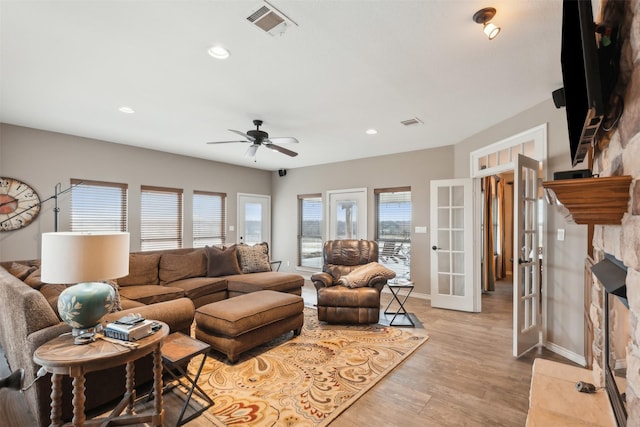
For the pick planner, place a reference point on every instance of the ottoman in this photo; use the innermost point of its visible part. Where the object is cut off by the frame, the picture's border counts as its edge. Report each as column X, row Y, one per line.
column 235, row 325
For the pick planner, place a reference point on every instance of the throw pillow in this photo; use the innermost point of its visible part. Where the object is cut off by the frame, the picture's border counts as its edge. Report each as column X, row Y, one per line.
column 143, row 270
column 222, row 261
column 21, row 271
column 334, row 270
column 182, row 266
column 117, row 302
column 254, row 259
column 34, row 280
column 51, row 293
column 361, row 276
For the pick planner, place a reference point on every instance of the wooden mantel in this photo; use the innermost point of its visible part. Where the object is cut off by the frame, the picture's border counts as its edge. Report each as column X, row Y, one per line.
column 590, row 200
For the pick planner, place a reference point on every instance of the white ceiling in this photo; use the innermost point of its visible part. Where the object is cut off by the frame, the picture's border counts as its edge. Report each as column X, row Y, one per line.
column 349, row 65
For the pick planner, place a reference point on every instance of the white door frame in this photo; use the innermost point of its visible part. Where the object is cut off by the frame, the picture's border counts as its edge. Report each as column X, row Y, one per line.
column 500, row 157
column 360, row 194
column 265, row 200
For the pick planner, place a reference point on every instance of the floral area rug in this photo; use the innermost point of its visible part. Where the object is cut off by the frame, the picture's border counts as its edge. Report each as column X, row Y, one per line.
column 306, row 380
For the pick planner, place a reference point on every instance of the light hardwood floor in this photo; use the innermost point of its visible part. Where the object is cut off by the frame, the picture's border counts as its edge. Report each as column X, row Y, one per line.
column 464, row 375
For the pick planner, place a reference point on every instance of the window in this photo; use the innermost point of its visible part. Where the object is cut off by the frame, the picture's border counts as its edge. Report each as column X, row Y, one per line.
column 502, row 155
column 310, row 231
column 98, row 206
column 160, row 218
column 209, row 218
column 393, row 229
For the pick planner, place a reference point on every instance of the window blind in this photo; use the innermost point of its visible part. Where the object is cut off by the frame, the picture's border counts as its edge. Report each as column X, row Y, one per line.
column 209, row 219
column 160, row 218
column 310, row 231
column 98, row 206
column 393, row 228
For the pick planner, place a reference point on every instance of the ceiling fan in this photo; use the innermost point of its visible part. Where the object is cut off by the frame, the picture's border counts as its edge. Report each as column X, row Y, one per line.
column 258, row 137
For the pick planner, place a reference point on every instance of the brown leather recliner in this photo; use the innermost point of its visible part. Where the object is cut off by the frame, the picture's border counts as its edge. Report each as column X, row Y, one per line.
column 341, row 304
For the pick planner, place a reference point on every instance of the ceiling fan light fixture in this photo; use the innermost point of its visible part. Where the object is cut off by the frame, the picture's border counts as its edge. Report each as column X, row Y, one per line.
column 219, row 52
column 483, row 16
column 259, row 138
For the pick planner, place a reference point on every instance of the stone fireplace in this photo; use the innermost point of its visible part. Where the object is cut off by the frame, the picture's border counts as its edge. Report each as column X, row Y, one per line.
column 618, row 153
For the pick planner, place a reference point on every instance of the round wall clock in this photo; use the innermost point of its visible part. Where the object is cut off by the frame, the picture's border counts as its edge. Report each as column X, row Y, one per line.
column 19, row 204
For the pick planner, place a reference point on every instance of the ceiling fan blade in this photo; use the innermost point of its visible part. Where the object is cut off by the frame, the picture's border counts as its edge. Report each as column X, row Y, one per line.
column 225, row 142
column 250, row 138
column 281, row 150
column 283, row 140
column 251, row 151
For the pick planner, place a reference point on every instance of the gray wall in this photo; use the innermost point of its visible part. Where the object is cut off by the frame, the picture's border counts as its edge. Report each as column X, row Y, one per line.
column 415, row 169
column 43, row 159
column 564, row 260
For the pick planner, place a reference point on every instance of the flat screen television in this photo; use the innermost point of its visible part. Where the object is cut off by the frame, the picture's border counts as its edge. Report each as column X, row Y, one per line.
column 588, row 75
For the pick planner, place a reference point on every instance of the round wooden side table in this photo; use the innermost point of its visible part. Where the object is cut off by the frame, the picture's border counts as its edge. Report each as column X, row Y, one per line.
column 61, row 356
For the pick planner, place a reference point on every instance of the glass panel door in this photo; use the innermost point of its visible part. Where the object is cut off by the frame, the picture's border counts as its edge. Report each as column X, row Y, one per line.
column 347, row 214
column 254, row 219
column 526, row 274
column 452, row 246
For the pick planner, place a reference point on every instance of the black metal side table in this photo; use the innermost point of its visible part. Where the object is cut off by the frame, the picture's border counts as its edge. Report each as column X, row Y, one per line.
column 398, row 290
column 279, row 263
column 177, row 350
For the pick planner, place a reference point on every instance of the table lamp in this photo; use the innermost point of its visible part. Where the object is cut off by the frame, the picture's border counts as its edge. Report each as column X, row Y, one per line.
column 85, row 259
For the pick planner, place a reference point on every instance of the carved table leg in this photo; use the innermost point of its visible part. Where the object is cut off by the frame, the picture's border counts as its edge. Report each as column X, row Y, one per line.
column 131, row 379
column 56, row 396
column 158, row 418
column 78, row 398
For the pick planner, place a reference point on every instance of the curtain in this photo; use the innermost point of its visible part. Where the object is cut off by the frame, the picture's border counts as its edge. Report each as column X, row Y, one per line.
column 494, row 262
column 501, row 265
column 488, row 276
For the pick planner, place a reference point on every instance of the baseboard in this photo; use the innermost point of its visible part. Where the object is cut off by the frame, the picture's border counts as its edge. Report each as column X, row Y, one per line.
column 567, row 354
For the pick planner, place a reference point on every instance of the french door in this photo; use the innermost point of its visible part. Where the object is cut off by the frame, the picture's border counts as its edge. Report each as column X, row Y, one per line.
column 347, row 218
column 452, row 284
column 526, row 271
column 254, row 219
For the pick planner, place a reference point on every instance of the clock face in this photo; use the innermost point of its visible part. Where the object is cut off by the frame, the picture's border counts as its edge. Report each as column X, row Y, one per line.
column 19, row 204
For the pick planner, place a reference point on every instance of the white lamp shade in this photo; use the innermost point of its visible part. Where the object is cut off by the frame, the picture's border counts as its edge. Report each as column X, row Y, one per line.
column 74, row 257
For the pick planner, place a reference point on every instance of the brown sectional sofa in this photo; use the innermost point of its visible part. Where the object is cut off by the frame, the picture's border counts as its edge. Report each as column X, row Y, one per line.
column 169, row 274
column 165, row 285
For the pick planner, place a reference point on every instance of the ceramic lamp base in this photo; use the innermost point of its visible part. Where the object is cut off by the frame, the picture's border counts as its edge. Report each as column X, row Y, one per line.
column 82, row 306
column 92, row 330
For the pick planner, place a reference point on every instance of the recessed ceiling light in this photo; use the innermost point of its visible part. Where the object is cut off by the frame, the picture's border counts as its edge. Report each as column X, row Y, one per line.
column 371, row 131
column 126, row 110
column 218, row 52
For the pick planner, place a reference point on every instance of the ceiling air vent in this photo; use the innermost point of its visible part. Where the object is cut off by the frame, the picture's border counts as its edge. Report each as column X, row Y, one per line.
column 412, row 122
column 270, row 20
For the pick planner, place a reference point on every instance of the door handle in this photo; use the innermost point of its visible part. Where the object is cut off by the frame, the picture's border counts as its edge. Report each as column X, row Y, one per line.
column 524, row 261
column 434, row 247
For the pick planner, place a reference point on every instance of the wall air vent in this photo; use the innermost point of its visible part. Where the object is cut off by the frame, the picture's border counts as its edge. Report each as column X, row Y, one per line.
column 412, row 122
column 270, row 20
